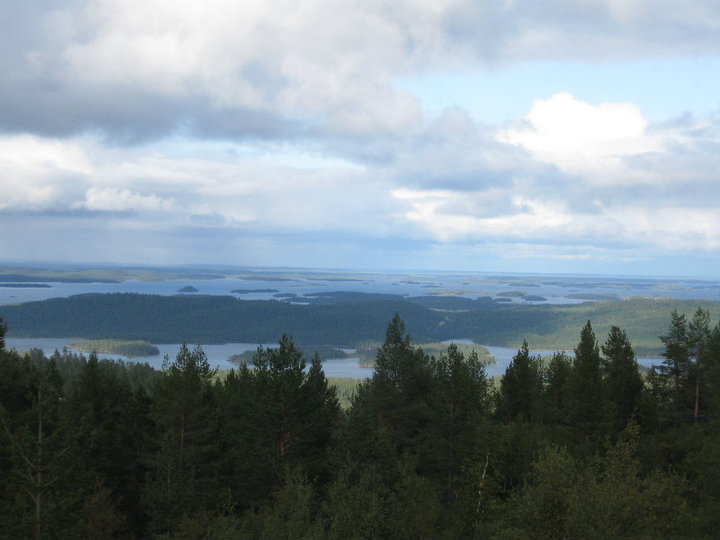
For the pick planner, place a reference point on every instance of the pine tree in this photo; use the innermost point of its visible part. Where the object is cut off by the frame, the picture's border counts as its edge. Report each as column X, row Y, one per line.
column 392, row 410
column 556, row 393
column 183, row 468
column 521, row 388
column 698, row 341
column 586, row 401
column 3, row 330
column 100, row 405
column 41, row 452
column 459, row 404
column 295, row 413
column 622, row 381
column 675, row 370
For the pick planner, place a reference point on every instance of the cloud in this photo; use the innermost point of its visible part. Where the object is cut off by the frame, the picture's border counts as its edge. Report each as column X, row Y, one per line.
column 38, row 173
column 140, row 70
column 116, row 200
column 581, row 138
column 271, row 126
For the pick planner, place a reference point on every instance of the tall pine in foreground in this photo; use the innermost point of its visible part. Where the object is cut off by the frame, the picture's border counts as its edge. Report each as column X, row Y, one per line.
column 391, row 411
column 521, row 388
column 623, row 383
column 295, row 414
column 586, row 400
column 183, row 467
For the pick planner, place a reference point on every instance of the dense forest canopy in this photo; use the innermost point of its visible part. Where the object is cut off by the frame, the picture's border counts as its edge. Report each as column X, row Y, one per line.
column 340, row 319
column 573, row 447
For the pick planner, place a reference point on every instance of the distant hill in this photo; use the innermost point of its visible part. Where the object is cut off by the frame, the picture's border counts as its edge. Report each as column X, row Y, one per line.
column 223, row 319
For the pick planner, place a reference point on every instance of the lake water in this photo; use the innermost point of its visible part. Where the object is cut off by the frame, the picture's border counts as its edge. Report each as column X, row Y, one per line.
column 218, row 354
column 523, row 289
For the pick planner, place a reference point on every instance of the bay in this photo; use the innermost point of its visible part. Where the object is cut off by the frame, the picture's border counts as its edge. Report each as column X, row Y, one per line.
column 218, row 356
column 514, row 288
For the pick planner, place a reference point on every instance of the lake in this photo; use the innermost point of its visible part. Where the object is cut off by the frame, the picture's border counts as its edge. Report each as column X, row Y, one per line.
column 514, row 288
column 218, row 354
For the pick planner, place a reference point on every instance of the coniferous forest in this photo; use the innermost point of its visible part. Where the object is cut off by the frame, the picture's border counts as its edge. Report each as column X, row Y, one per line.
column 581, row 446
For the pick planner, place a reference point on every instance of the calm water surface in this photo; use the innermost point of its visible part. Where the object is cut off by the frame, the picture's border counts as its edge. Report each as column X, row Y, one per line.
column 218, row 356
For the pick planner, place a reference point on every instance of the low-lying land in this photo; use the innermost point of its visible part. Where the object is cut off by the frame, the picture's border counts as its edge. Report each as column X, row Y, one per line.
column 224, row 319
column 129, row 349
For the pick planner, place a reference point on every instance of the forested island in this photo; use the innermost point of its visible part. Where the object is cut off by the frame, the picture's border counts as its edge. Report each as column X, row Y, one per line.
column 576, row 447
column 340, row 319
column 129, row 349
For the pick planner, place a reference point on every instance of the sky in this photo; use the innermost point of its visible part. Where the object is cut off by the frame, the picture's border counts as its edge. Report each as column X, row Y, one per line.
column 576, row 137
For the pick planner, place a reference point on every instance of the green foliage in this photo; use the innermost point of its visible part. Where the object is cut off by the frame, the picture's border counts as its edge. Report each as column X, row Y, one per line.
column 345, row 389
column 521, row 388
column 623, row 384
column 565, row 498
column 425, row 448
column 183, row 465
column 556, row 394
column 130, row 349
column 218, row 319
column 291, row 514
column 587, row 406
column 357, row 506
column 324, row 352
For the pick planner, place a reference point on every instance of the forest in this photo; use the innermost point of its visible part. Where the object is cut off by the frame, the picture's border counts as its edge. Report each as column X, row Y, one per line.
column 429, row 447
column 341, row 319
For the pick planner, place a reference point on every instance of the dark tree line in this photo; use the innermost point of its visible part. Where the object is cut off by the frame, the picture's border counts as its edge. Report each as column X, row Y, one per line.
column 571, row 446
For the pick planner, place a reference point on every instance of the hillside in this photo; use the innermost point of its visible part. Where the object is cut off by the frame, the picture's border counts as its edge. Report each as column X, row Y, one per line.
column 221, row 319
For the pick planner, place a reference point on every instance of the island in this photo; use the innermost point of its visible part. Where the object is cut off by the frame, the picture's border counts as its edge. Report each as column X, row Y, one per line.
column 129, row 349
column 188, row 289
column 248, row 291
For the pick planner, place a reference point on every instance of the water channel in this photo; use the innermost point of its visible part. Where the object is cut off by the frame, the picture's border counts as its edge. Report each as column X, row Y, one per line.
column 218, row 356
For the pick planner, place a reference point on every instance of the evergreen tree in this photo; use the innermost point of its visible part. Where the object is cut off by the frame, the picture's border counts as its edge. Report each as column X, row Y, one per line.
column 391, row 412
column 41, row 453
column 242, row 462
column 556, row 390
column 459, row 405
column 183, row 468
column 675, row 370
column 623, row 383
column 521, row 388
column 295, row 412
column 712, row 373
column 3, row 330
column 586, row 400
column 698, row 341
column 100, row 404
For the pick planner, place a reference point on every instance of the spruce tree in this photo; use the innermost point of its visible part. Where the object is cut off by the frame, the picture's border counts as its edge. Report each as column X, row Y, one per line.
column 586, row 400
column 556, row 392
column 675, row 370
column 623, row 383
column 392, row 410
column 295, row 412
column 521, row 388
column 459, row 405
column 698, row 340
column 183, row 468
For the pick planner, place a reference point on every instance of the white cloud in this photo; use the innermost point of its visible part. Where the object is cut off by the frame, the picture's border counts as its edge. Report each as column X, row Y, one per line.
column 279, row 119
column 584, row 139
column 145, row 68
column 37, row 173
column 119, row 200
